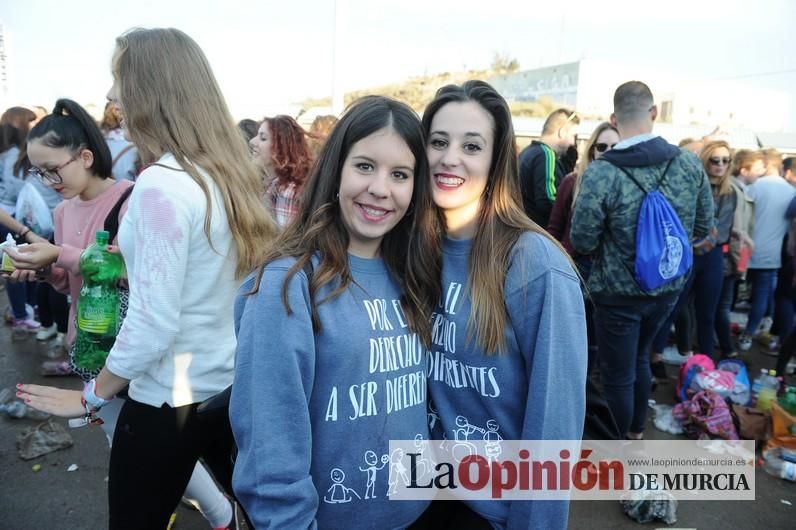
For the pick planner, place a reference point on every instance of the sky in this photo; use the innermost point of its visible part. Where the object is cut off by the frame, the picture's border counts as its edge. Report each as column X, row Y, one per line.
column 270, row 54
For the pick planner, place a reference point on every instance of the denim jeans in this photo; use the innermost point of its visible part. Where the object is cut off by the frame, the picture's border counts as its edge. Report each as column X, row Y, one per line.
column 704, row 288
column 764, row 281
column 723, row 331
column 682, row 316
column 625, row 329
column 707, row 284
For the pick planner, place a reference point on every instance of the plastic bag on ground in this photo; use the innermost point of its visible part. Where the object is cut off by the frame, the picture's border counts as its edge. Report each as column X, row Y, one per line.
column 42, row 439
column 650, row 505
column 665, row 420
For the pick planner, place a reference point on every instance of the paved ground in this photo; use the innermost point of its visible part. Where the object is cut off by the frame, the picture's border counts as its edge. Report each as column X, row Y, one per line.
column 54, row 498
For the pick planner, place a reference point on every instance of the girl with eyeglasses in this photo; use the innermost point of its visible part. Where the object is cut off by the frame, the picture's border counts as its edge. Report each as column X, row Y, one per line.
column 194, row 227
column 68, row 154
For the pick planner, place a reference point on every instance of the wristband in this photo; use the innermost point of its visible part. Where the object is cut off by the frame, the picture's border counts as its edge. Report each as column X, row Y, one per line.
column 91, row 400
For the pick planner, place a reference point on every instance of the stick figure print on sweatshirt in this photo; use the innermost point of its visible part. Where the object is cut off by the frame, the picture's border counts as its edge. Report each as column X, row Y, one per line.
column 397, row 470
column 461, row 439
column 371, row 460
column 423, row 464
column 338, row 493
column 492, row 438
column 433, row 416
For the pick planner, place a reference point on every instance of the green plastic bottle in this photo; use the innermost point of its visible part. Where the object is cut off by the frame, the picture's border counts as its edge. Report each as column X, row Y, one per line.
column 98, row 304
column 768, row 393
column 788, row 401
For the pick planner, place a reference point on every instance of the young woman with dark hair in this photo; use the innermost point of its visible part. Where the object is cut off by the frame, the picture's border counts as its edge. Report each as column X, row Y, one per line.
column 357, row 270
column 512, row 298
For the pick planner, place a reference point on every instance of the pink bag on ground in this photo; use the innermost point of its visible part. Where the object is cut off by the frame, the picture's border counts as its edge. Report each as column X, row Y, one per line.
column 695, row 364
column 706, row 416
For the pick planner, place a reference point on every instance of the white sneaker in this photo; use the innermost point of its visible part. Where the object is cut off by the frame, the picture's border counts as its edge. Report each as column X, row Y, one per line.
column 672, row 356
column 47, row 333
column 765, row 325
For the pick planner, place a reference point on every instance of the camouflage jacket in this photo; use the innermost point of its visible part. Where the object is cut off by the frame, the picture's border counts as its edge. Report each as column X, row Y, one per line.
column 607, row 207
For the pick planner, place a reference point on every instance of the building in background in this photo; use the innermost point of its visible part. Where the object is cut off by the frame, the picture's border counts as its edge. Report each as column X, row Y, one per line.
column 687, row 108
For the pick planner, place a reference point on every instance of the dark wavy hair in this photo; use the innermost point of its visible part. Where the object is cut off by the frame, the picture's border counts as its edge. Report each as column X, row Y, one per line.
column 411, row 250
column 290, row 153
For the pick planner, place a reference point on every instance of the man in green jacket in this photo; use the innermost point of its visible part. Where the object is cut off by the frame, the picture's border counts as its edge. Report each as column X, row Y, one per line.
column 604, row 225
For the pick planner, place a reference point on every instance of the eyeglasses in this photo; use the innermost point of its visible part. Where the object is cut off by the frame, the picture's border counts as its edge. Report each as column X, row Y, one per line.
column 52, row 175
column 601, row 147
column 716, row 160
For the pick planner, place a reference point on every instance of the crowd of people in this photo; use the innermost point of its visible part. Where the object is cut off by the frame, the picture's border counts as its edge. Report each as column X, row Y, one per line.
column 283, row 264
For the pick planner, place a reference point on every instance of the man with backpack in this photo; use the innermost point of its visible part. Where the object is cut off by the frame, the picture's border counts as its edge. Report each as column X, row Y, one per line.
column 639, row 209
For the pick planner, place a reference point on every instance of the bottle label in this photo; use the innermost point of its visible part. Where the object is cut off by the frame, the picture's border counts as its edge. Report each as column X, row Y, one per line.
column 788, row 471
column 95, row 320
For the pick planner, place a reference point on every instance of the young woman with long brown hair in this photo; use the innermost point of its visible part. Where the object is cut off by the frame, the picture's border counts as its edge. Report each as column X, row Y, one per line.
column 512, row 301
column 352, row 281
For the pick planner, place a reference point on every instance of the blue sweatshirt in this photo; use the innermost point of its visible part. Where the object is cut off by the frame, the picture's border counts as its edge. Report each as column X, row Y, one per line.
column 313, row 414
column 535, row 390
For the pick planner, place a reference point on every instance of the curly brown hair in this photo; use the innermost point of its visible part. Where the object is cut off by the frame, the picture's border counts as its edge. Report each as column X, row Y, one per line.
column 290, row 153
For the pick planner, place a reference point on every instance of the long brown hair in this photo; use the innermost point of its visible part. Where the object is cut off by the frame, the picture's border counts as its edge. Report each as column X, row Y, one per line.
column 723, row 186
column 501, row 220
column 172, row 104
column 411, row 250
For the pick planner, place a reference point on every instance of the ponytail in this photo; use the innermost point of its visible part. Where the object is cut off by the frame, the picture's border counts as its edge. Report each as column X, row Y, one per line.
column 71, row 127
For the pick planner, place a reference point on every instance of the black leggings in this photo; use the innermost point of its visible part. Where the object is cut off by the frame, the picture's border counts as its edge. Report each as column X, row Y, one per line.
column 153, row 455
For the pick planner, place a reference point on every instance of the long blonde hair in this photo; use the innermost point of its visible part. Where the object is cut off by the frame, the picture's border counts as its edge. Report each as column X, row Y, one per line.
column 723, row 186
column 501, row 220
column 588, row 157
column 172, row 104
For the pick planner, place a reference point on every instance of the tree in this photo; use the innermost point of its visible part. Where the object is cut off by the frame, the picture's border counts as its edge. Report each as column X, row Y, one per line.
column 503, row 64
